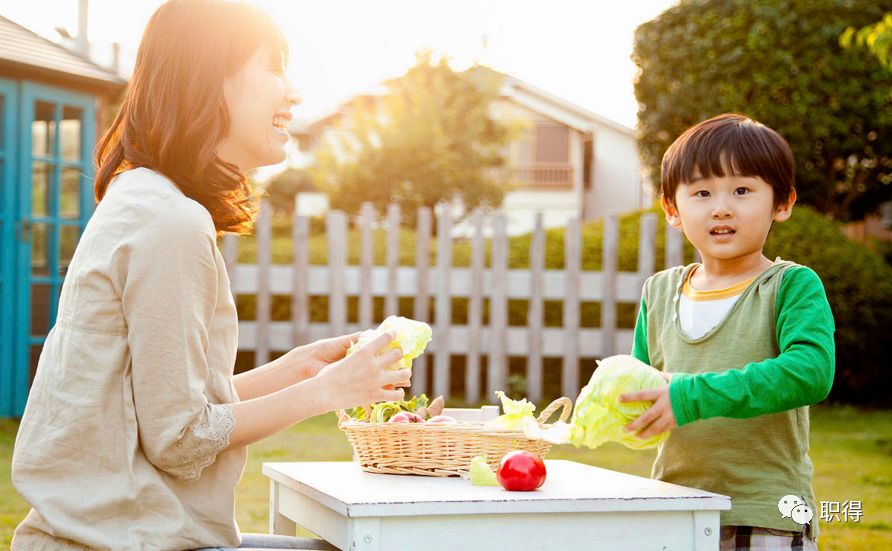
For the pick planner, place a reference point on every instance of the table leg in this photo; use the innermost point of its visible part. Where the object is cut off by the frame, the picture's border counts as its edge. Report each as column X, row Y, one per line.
column 279, row 524
column 706, row 531
column 366, row 534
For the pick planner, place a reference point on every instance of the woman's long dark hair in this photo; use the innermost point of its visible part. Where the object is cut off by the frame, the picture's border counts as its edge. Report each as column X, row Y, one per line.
column 173, row 115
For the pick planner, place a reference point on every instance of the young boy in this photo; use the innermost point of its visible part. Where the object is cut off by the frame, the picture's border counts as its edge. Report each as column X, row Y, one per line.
column 746, row 343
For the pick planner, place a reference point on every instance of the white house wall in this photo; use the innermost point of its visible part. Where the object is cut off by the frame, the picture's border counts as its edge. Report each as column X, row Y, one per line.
column 520, row 208
column 617, row 182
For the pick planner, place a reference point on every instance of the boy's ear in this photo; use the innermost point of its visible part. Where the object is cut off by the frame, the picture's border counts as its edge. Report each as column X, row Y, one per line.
column 785, row 209
column 671, row 212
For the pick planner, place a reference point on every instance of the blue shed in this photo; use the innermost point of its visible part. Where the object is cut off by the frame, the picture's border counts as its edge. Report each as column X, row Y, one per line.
column 53, row 104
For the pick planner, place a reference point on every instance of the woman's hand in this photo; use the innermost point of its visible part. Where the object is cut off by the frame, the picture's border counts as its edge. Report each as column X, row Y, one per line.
column 659, row 417
column 270, row 404
column 363, row 378
column 311, row 358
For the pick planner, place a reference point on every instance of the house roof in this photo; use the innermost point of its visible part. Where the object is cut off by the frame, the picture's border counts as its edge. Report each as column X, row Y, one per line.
column 519, row 90
column 23, row 50
column 526, row 94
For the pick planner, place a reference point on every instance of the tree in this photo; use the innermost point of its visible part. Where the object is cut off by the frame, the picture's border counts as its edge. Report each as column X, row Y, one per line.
column 877, row 38
column 780, row 62
column 429, row 139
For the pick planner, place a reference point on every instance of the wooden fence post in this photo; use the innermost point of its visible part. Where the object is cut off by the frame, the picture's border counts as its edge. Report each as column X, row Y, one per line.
column 421, row 305
column 536, row 311
column 300, row 301
column 609, row 260
column 444, row 301
column 391, row 304
column 336, row 233
column 570, row 369
column 647, row 247
column 366, row 261
column 475, row 311
column 264, row 298
column 497, row 372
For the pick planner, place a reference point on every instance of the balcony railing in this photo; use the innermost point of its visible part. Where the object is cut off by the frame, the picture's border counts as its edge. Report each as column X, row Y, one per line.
column 539, row 175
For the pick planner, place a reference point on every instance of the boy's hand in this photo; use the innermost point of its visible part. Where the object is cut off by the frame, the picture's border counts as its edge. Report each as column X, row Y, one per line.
column 658, row 418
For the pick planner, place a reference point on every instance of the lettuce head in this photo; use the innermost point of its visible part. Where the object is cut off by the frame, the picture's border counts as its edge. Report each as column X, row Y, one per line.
column 599, row 416
column 411, row 338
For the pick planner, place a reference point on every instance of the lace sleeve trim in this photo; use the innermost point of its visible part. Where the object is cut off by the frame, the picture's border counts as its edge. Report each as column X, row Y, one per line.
column 205, row 439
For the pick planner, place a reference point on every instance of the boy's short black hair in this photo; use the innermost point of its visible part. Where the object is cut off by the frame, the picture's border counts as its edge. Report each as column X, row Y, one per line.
column 733, row 144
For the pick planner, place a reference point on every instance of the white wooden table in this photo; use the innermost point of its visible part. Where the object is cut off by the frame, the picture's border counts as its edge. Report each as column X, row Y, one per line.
column 578, row 507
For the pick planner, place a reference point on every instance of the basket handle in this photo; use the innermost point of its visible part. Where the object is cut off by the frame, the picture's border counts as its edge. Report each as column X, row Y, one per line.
column 562, row 402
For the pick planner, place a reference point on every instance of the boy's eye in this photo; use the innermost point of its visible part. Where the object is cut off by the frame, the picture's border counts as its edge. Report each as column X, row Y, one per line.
column 701, row 193
column 741, row 191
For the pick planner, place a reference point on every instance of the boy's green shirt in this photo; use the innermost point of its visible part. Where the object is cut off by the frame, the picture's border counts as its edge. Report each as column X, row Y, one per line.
column 748, row 383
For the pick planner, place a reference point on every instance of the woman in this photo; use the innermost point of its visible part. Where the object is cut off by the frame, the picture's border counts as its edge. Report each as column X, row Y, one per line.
column 135, row 430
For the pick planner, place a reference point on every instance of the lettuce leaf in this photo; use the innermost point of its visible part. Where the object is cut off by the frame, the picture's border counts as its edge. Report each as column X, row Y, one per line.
column 514, row 413
column 481, row 474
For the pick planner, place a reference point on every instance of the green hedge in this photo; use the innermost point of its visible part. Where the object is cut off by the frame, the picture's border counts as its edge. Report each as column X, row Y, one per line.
column 858, row 284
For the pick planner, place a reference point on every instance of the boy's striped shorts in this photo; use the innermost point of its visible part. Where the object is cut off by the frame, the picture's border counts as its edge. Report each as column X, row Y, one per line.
column 754, row 538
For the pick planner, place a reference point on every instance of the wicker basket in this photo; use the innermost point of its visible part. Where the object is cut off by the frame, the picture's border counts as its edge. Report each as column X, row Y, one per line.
column 438, row 450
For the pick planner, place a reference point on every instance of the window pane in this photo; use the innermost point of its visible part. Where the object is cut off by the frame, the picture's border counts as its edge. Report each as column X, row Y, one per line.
column 69, row 200
column 552, row 143
column 67, row 242
column 40, row 309
column 43, row 129
column 70, row 133
column 39, row 257
column 40, row 187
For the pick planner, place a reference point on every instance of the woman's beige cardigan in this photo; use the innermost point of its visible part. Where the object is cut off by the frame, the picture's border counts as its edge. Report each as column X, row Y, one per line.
column 120, row 444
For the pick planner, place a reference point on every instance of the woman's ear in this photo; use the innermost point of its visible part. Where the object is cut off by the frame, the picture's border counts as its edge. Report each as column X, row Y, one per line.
column 784, row 210
column 671, row 212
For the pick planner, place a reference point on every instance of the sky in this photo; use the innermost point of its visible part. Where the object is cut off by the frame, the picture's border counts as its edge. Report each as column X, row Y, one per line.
column 578, row 50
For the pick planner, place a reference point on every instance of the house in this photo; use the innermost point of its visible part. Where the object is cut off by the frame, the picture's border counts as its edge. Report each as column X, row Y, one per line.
column 53, row 104
column 567, row 162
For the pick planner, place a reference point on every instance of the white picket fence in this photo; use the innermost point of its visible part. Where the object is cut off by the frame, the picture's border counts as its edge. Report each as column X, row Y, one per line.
column 337, row 280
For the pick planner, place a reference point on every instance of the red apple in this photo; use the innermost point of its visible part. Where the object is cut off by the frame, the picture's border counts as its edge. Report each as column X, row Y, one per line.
column 442, row 420
column 406, row 417
column 521, row 471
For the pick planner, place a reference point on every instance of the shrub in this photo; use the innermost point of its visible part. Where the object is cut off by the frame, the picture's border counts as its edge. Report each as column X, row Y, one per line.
column 859, row 287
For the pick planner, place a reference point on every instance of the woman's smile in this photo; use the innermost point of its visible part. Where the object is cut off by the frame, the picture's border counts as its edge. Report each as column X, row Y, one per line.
column 280, row 122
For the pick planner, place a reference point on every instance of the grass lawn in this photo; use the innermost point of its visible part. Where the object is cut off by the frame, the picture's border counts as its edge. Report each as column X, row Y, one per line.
column 851, row 449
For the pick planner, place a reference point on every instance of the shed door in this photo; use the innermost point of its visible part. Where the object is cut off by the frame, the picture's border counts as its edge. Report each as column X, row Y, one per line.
column 54, row 199
column 8, row 105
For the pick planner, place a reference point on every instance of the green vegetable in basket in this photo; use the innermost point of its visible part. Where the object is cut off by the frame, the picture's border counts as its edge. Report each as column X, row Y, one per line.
column 481, row 474
column 514, row 413
column 599, row 416
column 411, row 338
column 383, row 411
column 359, row 413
